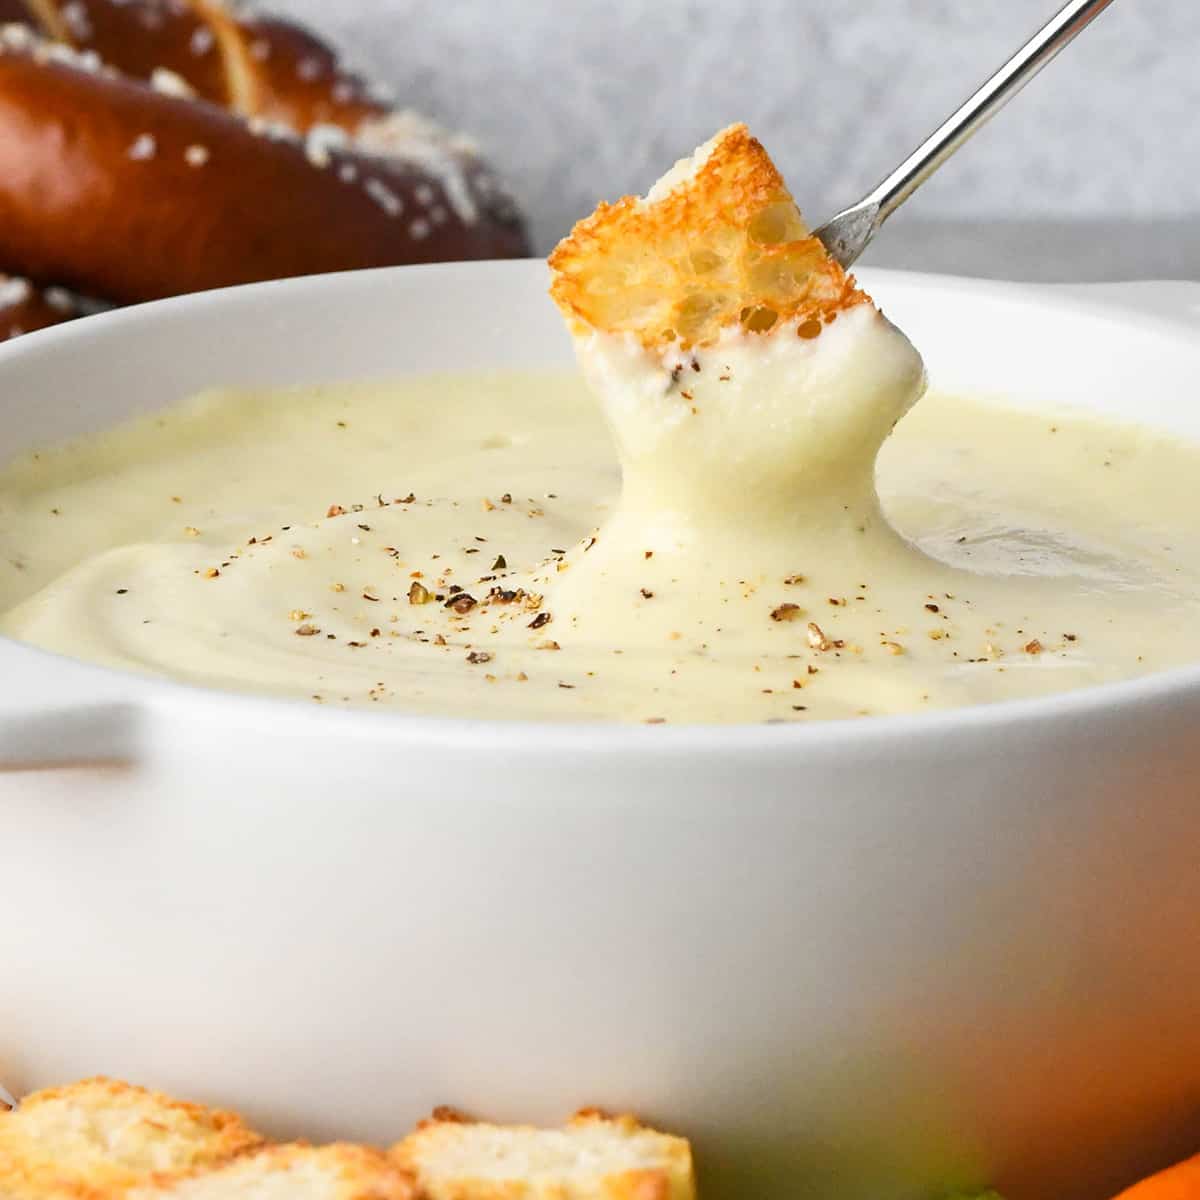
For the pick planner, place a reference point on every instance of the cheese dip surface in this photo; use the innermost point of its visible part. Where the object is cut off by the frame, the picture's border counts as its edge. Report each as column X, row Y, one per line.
column 459, row 545
column 725, row 530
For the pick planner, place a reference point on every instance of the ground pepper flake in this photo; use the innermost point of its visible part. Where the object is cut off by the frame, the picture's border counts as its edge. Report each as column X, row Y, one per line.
column 1033, row 647
column 787, row 612
column 541, row 620
column 479, row 656
column 461, row 603
column 818, row 641
column 211, row 573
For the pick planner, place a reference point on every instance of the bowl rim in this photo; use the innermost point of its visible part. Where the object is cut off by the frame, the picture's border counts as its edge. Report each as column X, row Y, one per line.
column 1097, row 299
column 117, row 687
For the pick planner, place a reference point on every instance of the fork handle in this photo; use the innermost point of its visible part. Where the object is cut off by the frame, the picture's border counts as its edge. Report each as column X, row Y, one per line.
column 983, row 105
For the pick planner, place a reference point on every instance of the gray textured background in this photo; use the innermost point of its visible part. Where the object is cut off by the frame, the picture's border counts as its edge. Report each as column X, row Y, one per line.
column 1094, row 172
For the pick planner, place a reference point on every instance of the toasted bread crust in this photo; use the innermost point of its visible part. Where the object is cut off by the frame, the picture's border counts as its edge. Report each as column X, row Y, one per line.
column 55, row 1144
column 350, row 1172
column 103, row 1140
column 707, row 249
column 670, row 1177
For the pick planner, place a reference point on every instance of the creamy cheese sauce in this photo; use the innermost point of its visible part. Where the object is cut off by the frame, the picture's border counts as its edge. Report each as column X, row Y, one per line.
column 307, row 543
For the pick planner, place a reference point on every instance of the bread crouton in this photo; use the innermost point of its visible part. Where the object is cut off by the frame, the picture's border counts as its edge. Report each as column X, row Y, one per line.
column 593, row 1158
column 96, row 1139
column 717, row 242
column 293, row 1172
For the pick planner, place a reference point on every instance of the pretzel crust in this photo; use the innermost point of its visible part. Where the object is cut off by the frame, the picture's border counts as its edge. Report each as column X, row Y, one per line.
column 24, row 307
column 154, row 147
column 253, row 64
column 716, row 243
column 118, row 191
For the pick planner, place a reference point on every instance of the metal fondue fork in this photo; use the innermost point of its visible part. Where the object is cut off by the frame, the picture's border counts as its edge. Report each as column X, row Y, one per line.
column 847, row 235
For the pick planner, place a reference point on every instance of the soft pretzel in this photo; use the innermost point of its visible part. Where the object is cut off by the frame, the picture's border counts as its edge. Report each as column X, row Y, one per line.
column 121, row 190
column 24, row 307
column 154, row 147
column 257, row 66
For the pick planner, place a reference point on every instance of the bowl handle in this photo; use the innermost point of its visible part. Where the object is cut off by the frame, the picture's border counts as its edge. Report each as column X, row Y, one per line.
column 55, row 713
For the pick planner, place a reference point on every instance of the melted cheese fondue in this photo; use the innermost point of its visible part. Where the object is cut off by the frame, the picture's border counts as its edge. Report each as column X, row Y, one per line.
column 728, row 544
column 462, row 545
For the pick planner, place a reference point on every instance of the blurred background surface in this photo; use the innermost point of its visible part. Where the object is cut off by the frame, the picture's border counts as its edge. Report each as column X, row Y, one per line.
column 1092, row 173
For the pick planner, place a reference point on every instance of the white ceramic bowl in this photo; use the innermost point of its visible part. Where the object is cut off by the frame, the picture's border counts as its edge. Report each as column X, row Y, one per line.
column 852, row 960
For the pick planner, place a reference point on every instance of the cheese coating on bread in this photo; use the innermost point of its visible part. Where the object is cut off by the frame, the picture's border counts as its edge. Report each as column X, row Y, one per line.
column 717, row 242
